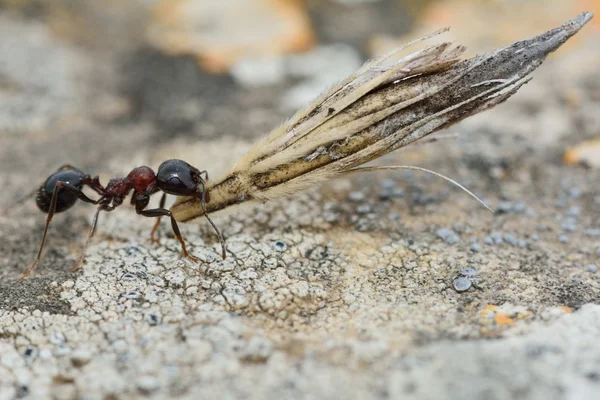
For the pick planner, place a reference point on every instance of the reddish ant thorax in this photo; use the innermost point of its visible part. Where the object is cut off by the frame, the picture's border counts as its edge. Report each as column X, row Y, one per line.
column 143, row 179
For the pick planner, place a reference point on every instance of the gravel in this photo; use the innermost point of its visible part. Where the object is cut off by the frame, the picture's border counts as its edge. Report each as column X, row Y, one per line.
column 448, row 235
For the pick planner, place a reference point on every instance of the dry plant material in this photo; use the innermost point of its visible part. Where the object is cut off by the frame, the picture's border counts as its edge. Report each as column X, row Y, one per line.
column 389, row 103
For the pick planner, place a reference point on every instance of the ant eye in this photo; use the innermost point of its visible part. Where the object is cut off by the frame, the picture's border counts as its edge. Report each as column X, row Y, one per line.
column 174, row 181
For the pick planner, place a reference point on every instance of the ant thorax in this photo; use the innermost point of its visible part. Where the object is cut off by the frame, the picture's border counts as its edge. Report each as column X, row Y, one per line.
column 140, row 179
column 116, row 190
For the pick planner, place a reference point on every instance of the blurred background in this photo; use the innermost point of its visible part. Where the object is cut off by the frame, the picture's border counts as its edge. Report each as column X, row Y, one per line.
column 91, row 81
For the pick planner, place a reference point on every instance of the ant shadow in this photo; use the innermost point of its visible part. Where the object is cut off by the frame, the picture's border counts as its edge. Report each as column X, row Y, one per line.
column 21, row 242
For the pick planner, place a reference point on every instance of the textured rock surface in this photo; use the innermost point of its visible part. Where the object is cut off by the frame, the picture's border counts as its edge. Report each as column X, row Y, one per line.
column 352, row 290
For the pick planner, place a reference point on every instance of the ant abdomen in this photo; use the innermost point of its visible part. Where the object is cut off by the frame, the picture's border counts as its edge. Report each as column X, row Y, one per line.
column 65, row 199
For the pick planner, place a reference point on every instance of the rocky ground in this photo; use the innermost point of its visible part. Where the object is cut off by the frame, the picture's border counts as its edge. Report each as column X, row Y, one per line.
column 387, row 285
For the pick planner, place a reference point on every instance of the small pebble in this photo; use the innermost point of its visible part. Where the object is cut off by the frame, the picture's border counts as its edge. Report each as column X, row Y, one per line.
column 142, row 274
column 57, row 339
column 505, row 207
column 30, row 354
column 330, row 216
column 462, row 284
column 80, row 357
column 569, row 226
column 364, row 208
column 488, row 240
column 30, row 351
column 475, row 247
column 469, row 272
column 574, row 211
column 510, row 239
column 280, row 246
column 575, row 192
column 496, row 237
column 147, row 384
column 592, row 232
column 535, row 237
column 388, row 183
column 394, row 216
column 561, row 203
column 448, row 235
column 424, row 199
column 522, row 244
column 22, row 391
column 391, row 193
column 398, row 192
column 563, row 239
column 152, row 319
column 132, row 250
column 362, row 225
column 356, row 196
column 260, row 71
column 591, row 268
column 62, row 350
column 132, row 295
column 520, row 206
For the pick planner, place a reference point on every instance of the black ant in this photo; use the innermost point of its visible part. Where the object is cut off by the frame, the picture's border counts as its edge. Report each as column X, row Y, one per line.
column 64, row 187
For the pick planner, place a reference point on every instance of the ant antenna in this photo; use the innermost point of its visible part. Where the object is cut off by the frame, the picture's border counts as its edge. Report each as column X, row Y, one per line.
column 203, row 205
column 410, row 167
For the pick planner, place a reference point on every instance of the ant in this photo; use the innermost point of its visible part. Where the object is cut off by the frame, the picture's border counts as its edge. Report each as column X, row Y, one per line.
column 64, row 187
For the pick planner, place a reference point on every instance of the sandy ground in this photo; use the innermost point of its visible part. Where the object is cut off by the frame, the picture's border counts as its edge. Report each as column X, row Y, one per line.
column 389, row 285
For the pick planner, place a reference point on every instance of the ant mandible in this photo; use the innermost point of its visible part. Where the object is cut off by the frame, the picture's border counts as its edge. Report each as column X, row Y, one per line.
column 64, row 187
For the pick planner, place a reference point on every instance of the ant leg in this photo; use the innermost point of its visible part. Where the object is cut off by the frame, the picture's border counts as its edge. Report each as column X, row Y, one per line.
column 95, row 184
column 160, row 212
column 65, row 166
column 59, row 185
column 153, row 237
column 205, row 172
column 90, row 235
column 203, row 204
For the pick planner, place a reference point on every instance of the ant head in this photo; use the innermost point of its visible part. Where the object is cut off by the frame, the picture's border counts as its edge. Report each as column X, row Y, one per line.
column 65, row 199
column 178, row 178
